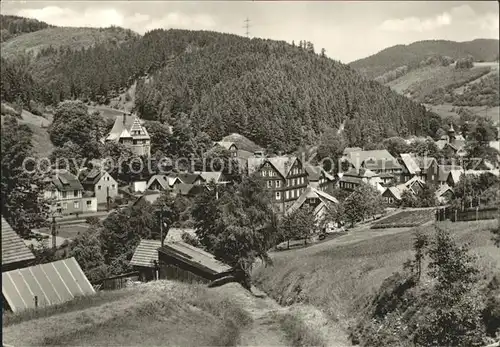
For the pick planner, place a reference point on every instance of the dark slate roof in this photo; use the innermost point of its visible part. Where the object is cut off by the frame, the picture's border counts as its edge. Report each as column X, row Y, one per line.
column 188, row 189
column 65, row 181
column 92, row 177
column 13, row 248
column 314, row 172
column 188, row 178
column 195, row 257
column 444, row 171
column 146, row 253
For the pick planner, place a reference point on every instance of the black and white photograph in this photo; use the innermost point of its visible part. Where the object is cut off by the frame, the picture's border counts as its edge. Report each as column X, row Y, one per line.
column 250, row 173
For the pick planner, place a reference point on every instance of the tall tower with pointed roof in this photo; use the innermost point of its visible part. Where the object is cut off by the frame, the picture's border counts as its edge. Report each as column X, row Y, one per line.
column 129, row 131
column 451, row 134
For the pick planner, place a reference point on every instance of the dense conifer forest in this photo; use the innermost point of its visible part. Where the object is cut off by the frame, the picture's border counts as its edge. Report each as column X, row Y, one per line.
column 276, row 94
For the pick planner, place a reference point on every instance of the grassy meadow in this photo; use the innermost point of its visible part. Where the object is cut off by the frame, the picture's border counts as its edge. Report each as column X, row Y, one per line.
column 152, row 314
column 338, row 277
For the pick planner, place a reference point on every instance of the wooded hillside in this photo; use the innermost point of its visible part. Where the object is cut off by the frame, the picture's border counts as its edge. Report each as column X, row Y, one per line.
column 11, row 26
column 276, row 94
column 411, row 55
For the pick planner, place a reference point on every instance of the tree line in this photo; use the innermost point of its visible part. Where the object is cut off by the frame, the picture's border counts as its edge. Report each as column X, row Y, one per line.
column 276, row 94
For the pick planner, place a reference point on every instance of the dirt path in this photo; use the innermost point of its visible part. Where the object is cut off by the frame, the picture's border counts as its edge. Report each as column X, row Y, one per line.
column 265, row 330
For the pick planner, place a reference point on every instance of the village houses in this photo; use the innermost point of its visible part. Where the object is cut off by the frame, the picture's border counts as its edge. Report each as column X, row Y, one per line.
column 101, row 184
column 66, row 194
column 285, row 177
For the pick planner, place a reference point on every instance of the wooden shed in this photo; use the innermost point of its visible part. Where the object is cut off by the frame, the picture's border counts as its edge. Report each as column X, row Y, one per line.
column 181, row 261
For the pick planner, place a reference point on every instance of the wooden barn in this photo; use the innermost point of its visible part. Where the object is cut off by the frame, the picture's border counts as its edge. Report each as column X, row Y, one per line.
column 181, row 261
column 145, row 259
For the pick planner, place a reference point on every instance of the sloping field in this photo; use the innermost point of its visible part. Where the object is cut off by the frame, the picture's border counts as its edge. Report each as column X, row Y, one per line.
column 338, row 276
column 422, row 82
column 158, row 313
column 170, row 313
column 41, row 139
column 405, row 219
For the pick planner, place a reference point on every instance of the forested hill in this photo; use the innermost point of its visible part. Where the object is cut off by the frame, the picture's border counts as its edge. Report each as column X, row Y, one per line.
column 11, row 26
column 411, row 55
column 274, row 93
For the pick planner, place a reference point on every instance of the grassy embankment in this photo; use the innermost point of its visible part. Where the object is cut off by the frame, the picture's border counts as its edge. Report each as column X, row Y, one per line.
column 153, row 314
column 338, row 277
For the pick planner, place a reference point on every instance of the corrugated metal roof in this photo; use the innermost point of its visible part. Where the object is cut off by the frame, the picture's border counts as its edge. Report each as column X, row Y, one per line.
column 13, row 248
column 195, row 256
column 52, row 283
column 146, row 253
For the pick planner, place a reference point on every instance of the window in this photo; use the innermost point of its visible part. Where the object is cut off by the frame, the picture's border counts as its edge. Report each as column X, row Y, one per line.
column 302, row 180
column 89, row 202
column 64, row 194
column 75, row 193
column 76, row 204
column 99, row 187
column 278, row 196
column 287, row 195
column 65, row 205
column 294, row 181
column 271, row 173
column 278, row 184
column 269, row 184
column 135, row 142
column 113, row 186
column 264, row 173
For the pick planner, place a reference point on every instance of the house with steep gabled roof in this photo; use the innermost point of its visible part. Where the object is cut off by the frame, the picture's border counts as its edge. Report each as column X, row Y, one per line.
column 319, row 178
column 15, row 254
column 284, row 176
column 66, row 194
column 230, row 146
column 410, row 167
column 129, row 131
column 393, row 195
column 103, row 186
column 444, row 194
column 162, row 182
column 378, row 161
column 428, row 169
column 317, row 200
column 353, row 178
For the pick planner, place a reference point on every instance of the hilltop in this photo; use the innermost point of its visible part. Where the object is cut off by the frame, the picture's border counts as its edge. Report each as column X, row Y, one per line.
column 425, row 72
column 275, row 94
column 12, row 26
column 413, row 54
column 60, row 38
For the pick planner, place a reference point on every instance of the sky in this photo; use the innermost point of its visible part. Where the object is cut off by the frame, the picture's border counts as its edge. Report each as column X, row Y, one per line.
column 348, row 30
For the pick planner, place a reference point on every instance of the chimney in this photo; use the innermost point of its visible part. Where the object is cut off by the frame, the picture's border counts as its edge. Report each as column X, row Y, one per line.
column 124, row 115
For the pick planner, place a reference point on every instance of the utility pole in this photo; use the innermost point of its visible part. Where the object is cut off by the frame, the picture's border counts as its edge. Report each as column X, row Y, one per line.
column 161, row 225
column 107, row 198
column 54, row 243
column 247, row 26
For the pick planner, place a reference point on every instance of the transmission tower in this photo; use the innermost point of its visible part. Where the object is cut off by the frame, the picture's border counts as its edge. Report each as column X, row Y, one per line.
column 247, row 26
